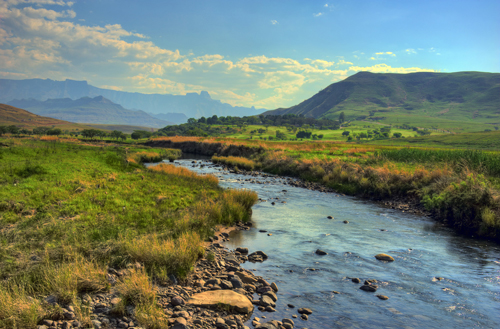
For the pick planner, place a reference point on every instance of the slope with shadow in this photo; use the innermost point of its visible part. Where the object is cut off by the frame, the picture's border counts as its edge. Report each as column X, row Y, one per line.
column 10, row 115
column 461, row 96
column 89, row 110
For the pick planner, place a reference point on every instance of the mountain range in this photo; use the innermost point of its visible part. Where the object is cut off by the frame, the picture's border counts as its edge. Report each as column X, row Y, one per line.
column 191, row 105
column 89, row 110
column 470, row 97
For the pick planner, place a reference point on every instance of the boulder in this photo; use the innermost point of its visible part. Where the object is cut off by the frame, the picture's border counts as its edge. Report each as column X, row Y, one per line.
column 321, row 252
column 214, row 298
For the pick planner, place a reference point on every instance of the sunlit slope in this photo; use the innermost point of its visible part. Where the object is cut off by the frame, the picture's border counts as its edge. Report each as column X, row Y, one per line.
column 425, row 98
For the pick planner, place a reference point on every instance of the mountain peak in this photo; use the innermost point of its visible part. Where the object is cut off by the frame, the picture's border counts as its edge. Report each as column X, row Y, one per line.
column 205, row 94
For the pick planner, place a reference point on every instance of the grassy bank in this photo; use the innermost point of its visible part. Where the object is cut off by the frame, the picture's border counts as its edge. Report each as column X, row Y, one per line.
column 461, row 187
column 68, row 212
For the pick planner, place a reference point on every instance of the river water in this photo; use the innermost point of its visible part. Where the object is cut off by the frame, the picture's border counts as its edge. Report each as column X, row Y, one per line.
column 467, row 296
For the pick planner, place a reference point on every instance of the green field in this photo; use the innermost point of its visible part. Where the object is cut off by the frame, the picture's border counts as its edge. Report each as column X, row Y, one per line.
column 69, row 211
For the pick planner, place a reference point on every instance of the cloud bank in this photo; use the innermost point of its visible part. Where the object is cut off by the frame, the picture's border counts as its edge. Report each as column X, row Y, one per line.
column 36, row 42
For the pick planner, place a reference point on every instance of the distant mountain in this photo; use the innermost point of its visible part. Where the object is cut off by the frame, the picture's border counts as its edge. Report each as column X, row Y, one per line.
column 177, row 118
column 89, row 110
column 403, row 98
column 191, row 104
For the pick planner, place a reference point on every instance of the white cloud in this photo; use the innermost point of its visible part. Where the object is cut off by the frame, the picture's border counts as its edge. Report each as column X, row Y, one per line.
column 410, row 51
column 45, row 43
column 318, row 14
column 384, row 68
column 274, row 22
column 390, row 53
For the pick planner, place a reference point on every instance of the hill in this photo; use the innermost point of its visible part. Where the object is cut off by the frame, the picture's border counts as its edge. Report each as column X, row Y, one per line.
column 444, row 100
column 192, row 104
column 97, row 110
column 10, row 115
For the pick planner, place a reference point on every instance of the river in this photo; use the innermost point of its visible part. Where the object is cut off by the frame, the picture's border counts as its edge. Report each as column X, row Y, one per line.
column 438, row 279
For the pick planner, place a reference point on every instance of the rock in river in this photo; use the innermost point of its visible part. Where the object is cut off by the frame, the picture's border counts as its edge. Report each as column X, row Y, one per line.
column 384, row 257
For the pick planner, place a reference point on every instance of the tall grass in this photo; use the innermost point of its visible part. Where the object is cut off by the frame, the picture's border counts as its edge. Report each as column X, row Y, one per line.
column 18, row 310
column 238, row 162
column 487, row 162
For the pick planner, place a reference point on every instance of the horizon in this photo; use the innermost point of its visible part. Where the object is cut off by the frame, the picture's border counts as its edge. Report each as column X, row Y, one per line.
column 265, row 54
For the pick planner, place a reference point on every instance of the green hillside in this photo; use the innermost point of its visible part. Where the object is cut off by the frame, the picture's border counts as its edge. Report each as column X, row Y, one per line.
column 462, row 101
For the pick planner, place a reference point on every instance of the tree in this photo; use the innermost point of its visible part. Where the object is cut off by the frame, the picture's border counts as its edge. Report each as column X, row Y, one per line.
column 115, row 134
column 346, row 133
column 90, row 133
column 191, row 120
column 54, row 132
column 3, row 130
column 280, row 135
column 40, row 130
column 397, row 135
column 342, row 117
column 303, row 134
column 13, row 129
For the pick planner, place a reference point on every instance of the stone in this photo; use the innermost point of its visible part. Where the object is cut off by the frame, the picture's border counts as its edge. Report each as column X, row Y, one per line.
column 291, row 305
column 271, row 295
column 356, row 280
column 97, row 324
column 246, row 278
column 304, row 310
column 243, row 251
column 177, row 300
column 304, row 316
column 329, row 217
column 213, row 298
column 115, row 301
column 267, row 301
column 236, row 282
column 321, row 252
column 267, row 325
column 288, row 322
column 345, row 222
column 270, row 309
column 369, row 287
column 383, row 297
column 274, row 286
column 384, row 257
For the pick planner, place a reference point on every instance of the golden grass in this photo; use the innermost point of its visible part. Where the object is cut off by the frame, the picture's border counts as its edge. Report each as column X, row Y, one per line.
column 49, row 138
column 65, row 281
column 166, row 254
column 239, row 162
column 180, row 171
column 18, row 310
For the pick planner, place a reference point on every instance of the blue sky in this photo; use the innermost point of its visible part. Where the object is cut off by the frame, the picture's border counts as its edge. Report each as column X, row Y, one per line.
column 267, row 54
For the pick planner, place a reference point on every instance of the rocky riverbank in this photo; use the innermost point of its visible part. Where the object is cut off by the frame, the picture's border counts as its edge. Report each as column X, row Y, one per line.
column 218, row 293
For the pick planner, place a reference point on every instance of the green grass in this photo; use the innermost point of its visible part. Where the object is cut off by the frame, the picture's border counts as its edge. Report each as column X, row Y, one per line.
column 68, row 211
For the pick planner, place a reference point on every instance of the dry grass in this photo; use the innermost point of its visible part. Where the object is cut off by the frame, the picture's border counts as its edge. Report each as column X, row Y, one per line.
column 165, row 255
column 180, row 171
column 18, row 310
column 238, row 162
column 49, row 138
column 65, row 281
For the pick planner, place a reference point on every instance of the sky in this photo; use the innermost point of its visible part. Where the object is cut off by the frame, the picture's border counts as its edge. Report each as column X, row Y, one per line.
column 267, row 54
